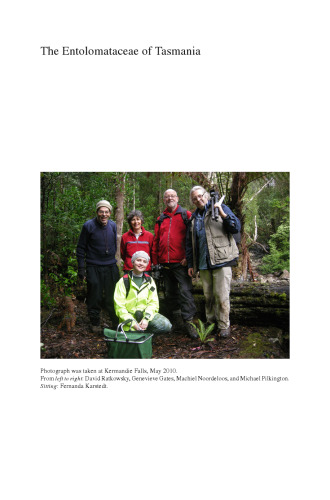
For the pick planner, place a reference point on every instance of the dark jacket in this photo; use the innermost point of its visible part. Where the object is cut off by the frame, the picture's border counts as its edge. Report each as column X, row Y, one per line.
column 97, row 244
column 220, row 244
column 170, row 238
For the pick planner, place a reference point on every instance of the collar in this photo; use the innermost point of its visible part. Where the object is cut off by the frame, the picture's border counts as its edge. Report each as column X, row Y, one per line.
column 101, row 225
column 178, row 210
column 141, row 232
column 202, row 212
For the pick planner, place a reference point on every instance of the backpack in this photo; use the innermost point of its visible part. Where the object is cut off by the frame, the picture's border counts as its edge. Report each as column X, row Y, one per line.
column 128, row 284
column 183, row 215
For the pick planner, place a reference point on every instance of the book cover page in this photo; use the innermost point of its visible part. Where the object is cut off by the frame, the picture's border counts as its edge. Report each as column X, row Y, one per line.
column 121, row 103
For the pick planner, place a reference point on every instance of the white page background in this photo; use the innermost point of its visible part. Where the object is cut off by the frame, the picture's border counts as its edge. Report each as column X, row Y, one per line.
column 257, row 98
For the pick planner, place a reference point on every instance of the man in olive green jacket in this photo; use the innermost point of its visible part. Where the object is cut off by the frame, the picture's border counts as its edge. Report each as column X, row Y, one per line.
column 136, row 298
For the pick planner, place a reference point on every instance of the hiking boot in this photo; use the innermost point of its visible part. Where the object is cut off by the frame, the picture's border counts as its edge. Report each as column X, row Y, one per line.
column 191, row 331
column 224, row 333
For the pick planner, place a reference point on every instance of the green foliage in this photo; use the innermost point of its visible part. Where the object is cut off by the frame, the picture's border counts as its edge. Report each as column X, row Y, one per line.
column 268, row 204
column 64, row 283
column 203, row 332
column 68, row 199
column 267, row 199
column 47, row 300
column 279, row 242
column 279, row 255
column 224, row 180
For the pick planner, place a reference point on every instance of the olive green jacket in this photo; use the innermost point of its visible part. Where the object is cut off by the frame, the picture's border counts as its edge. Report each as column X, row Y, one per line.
column 220, row 243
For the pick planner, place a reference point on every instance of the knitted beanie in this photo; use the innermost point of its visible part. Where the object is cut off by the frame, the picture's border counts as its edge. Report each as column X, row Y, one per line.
column 140, row 254
column 103, row 203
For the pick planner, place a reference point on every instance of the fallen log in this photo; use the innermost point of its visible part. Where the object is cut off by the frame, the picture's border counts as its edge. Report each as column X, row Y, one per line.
column 252, row 304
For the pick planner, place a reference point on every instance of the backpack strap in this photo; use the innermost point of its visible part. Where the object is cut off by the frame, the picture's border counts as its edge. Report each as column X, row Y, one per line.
column 148, row 279
column 126, row 283
column 161, row 218
column 183, row 215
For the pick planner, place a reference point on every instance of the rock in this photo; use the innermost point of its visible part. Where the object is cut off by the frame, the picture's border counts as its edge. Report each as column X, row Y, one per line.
column 285, row 275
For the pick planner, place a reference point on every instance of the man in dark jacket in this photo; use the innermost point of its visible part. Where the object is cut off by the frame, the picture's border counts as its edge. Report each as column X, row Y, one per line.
column 211, row 250
column 169, row 251
column 96, row 252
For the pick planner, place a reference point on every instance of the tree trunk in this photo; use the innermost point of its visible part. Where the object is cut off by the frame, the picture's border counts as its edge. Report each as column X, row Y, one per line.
column 160, row 194
column 134, row 180
column 237, row 192
column 119, row 212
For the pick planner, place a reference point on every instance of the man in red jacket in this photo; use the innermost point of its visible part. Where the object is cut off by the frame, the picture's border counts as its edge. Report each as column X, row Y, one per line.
column 169, row 250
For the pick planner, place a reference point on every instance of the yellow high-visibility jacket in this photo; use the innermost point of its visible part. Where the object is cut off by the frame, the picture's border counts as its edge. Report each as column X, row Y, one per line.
column 144, row 299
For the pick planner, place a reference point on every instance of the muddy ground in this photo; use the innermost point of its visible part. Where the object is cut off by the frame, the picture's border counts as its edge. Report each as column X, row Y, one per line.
column 80, row 343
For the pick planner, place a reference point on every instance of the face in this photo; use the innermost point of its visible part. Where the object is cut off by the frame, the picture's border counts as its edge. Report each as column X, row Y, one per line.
column 103, row 215
column 140, row 265
column 198, row 198
column 136, row 224
column 171, row 199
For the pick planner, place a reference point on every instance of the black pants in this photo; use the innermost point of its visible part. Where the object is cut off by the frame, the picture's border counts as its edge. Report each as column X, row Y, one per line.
column 178, row 292
column 101, row 282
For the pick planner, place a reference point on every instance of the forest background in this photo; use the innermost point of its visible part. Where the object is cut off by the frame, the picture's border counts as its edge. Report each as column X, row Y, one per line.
column 68, row 199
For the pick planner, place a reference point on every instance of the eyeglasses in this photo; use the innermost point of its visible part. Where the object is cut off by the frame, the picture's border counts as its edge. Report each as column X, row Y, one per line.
column 198, row 197
column 104, row 213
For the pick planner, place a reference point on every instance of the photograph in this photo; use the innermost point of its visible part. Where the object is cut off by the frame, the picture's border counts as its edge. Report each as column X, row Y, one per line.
column 165, row 265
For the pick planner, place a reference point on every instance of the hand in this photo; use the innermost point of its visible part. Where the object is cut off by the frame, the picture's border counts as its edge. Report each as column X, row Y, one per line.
column 183, row 262
column 143, row 324
column 191, row 272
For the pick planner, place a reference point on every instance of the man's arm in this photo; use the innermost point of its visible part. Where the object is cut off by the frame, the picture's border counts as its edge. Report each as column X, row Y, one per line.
column 114, row 226
column 231, row 222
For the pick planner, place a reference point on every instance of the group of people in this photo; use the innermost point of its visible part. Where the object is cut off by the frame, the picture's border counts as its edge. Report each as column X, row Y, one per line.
column 183, row 244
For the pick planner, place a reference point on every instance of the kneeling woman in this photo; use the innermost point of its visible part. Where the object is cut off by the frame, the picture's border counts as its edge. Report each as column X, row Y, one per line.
column 136, row 298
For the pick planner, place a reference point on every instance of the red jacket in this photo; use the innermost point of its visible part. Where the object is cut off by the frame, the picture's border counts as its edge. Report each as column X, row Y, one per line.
column 170, row 238
column 130, row 244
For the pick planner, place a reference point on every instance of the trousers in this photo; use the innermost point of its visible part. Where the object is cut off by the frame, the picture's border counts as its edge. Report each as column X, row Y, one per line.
column 101, row 282
column 159, row 324
column 178, row 290
column 216, row 287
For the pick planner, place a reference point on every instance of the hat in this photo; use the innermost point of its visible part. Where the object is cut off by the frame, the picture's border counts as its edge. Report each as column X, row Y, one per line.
column 103, row 203
column 140, row 254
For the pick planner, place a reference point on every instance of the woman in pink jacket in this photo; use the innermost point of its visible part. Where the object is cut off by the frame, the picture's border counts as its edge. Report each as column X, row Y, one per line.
column 135, row 240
